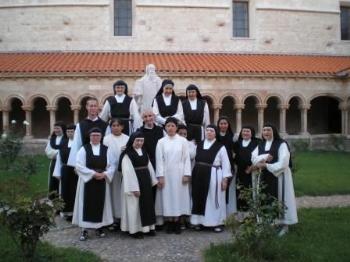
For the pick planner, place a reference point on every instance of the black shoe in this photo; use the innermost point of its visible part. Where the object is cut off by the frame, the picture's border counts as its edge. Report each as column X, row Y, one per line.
column 69, row 218
column 159, row 227
column 83, row 235
column 100, row 233
column 177, row 228
column 138, row 235
column 169, row 227
column 151, row 233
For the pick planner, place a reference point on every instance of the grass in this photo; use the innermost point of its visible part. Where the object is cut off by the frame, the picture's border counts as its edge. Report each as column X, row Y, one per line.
column 322, row 173
column 321, row 235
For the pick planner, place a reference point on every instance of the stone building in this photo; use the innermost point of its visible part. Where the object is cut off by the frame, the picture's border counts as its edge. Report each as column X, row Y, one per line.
column 283, row 62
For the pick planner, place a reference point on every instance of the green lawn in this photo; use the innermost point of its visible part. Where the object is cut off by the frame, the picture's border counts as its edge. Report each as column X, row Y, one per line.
column 321, row 235
column 322, row 173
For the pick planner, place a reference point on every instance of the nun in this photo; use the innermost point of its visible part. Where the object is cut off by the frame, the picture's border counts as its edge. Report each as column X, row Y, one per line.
column 122, row 106
column 210, row 176
column 138, row 211
column 173, row 173
column 167, row 104
column 66, row 174
column 196, row 113
column 272, row 158
column 243, row 149
column 95, row 166
column 53, row 146
column 116, row 142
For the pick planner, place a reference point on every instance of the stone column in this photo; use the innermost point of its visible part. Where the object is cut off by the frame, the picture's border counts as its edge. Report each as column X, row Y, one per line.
column 5, row 119
column 75, row 109
column 303, row 111
column 216, row 108
column 283, row 110
column 344, row 116
column 28, row 110
column 238, row 108
column 261, row 108
column 52, row 110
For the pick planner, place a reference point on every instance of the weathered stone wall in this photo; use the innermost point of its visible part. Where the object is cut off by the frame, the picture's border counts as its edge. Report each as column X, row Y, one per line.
column 293, row 26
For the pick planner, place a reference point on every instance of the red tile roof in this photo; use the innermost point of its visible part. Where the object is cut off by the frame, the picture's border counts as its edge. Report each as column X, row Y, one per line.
column 111, row 63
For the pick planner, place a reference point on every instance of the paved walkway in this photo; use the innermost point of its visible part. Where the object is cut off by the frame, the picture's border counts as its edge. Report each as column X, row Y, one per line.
column 186, row 247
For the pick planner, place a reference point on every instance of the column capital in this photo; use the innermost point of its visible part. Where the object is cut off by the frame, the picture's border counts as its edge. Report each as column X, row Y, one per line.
column 51, row 108
column 283, row 106
column 75, row 107
column 239, row 106
column 27, row 108
column 5, row 109
column 217, row 106
column 343, row 106
column 261, row 106
column 304, row 106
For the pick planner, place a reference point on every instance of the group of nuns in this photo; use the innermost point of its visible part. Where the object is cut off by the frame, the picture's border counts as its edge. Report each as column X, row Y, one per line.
column 166, row 168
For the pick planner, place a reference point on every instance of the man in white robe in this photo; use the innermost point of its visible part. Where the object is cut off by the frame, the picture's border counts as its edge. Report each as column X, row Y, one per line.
column 100, row 214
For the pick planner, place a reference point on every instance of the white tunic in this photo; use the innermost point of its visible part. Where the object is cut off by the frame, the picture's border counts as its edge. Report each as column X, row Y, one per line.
column 50, row 152
column 116, row 145
column 215, row 216
column 133, row 109
column 85, row 175
column 130, row 219
column 281, row 170
column 173, row 162
column 167, row 100
column 78, row 143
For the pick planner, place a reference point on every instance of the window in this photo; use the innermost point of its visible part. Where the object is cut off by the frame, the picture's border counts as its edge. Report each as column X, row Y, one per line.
column 345, row 22
column 240, row 14
column 122, row 17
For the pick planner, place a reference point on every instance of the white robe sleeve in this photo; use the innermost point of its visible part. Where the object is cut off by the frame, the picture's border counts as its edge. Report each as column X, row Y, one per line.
column 131, row 184
column 111, row 165
column 179, row 112
column 76, row 145
column 225, row 162
column 106, row 112
column 84, row 173
column 186, row 158
column 159, row 119
column 206, row 117
column 160, row 158
column 134, row 112
column 50, row 152
column 279, row 167
column 256, row 158
column 192, row 147
column 58, row 167
column 152, row 174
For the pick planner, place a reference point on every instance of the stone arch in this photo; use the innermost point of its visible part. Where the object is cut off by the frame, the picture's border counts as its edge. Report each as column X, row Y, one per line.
column 324, row 115
column 17, row 115
column 256, row 97
column 59, row 96
column 274, row 95
column 8, row 100
column 104, row 98
column 272, row 110
column 40, row 117
column 212, row 98
column 63, row 110
column 293, row 114
column 227, row 109
column 228, row 94
column 302, row 100
column 32, row 99
column 331, row 95
column 250, row 111
column 82, row 96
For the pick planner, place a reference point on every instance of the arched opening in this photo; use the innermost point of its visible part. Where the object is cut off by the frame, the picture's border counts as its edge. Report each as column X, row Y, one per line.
column 1, row 123
column 271, row 112
column 324, row 116
column 40, row 119
column 293, row 116
column 64, row 112
column 227, row 109
column 210, row 106
column 250, row 112
column 17, row 115
column 83, row 111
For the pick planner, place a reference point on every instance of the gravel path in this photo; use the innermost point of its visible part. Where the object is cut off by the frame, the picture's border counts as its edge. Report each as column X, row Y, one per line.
column 164, row 247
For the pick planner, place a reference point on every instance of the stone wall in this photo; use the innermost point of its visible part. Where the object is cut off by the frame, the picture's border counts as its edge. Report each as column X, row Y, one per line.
column 293, row 26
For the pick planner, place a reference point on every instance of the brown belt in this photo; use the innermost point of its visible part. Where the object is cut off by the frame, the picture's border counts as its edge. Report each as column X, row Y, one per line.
column 141, row 167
